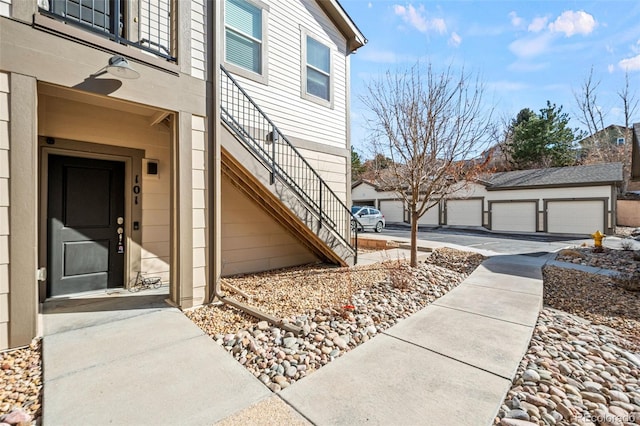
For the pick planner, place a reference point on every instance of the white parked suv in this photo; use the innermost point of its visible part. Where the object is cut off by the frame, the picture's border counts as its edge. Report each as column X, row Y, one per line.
column 367, row 218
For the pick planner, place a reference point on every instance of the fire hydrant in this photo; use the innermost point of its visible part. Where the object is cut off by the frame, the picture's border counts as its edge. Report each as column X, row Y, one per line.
column 597, row 238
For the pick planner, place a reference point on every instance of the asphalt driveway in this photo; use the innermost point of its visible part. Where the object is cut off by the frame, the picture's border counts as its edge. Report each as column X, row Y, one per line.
column 498, row 242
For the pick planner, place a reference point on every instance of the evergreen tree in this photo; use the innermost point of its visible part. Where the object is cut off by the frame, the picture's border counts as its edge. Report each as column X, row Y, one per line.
column 357, row 168
column 543, row 140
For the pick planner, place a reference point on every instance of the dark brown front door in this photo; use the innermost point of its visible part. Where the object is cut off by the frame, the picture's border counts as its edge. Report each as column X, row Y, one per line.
column 85, row 200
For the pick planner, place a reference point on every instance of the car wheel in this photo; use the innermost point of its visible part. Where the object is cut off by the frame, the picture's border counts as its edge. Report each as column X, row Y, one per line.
column 379, row 227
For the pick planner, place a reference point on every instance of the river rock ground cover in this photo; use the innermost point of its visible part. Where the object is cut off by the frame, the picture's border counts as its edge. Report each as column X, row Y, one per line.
column 583, row 362
column 337, row 309
column 582, row 367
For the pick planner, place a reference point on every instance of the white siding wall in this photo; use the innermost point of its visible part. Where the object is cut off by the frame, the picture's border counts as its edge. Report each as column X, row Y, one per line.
column 5, row 10
column 281, row 98
column 332, row 168
column 198, row 37
column 199, row 183
column 4, row 210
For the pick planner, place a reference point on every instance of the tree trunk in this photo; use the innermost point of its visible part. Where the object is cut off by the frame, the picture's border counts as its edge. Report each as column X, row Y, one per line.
column 414, row 238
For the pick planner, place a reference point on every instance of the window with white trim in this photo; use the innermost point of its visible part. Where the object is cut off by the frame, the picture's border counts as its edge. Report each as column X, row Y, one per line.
column 244, row 35
column 317, row 71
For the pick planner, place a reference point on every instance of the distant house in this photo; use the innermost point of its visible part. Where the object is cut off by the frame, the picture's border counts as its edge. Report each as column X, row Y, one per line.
column 611, row 135
column 635, row 156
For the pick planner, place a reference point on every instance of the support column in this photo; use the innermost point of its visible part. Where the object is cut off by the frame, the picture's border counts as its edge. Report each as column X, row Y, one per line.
column 23, row 216
column 182, row 214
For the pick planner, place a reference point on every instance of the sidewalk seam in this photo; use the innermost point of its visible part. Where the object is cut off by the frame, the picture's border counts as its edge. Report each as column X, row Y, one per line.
column 447, row 356
column 494, row 288
column 486, row 316
column 294, row 408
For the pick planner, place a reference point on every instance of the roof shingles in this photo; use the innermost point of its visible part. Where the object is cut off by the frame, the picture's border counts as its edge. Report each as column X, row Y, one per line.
column 607, row 173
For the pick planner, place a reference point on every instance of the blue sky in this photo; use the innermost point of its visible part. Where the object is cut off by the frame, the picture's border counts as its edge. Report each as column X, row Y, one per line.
column 526, row 52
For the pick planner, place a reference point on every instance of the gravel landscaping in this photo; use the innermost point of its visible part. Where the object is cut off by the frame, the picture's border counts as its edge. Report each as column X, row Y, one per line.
column 583, row 363
column 337, row 308
column 617, row 260
column 21, row 385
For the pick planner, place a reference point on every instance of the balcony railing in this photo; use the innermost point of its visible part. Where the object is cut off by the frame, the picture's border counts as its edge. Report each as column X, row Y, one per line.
column 145, row 24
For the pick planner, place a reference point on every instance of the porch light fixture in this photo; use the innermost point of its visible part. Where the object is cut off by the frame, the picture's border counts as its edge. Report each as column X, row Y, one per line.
column 120, row 67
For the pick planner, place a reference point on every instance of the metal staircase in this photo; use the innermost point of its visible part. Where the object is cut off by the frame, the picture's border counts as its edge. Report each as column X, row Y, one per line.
column 298, row 186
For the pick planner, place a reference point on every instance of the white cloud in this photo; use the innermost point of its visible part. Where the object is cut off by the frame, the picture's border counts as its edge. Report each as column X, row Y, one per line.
column 455, row 39
column 417, row 19
column 611, row 68
column 531, row 47
column 571, row 23
column 538, row 24
column 630, row 64
column 438, row 25
column 516, row 21
column 412, row 16
column 369, row 5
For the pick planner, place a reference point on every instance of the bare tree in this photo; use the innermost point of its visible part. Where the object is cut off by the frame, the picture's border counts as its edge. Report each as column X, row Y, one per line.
column 430, row 124
column 591, row 115
column 629, row 104
column 600, row 144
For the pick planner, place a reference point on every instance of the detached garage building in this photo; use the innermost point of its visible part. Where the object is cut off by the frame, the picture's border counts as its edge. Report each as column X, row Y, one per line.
column 562, row 200
column 565, row 200
column 367, row 193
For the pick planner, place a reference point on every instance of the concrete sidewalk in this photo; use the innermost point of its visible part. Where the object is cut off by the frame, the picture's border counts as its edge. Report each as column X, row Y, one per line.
column 450, row 363
column 135, row 360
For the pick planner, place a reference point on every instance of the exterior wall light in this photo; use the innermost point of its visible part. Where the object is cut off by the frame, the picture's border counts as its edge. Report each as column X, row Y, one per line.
column 120, row 67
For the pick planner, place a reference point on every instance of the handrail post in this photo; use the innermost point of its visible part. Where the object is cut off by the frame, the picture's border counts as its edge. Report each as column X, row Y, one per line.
column 320, row 204
column 274, row 140
column 355, row 259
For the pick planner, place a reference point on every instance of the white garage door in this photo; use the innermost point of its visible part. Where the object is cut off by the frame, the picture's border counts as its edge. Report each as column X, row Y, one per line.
column 464, row 212
column 430, row 217
column 513, row 216
column 392, row 210
column 575, row 217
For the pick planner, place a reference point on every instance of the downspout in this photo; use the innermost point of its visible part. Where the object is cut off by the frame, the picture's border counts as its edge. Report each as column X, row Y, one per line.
column 213, row 11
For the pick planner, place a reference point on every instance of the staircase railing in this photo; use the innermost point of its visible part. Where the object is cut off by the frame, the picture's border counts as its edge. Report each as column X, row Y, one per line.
column 276, row 153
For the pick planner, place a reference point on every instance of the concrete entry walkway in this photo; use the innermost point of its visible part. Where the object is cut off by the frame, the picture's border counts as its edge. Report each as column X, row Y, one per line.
column 136, row 360
column 450, row 363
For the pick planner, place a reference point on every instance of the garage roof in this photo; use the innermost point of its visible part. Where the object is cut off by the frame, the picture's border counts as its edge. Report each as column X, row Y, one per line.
column 595, row 174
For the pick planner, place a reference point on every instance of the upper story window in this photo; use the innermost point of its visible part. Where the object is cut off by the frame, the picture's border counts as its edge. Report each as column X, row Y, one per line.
column 245, row 36
column 145, row 24
column 317, row 84
column 620, row 141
